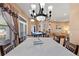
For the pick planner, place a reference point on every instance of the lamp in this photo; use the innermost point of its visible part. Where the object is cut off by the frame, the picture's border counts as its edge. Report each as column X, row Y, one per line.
column 40, row 16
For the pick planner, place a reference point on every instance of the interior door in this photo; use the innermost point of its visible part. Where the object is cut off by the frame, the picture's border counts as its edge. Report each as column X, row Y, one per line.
column 33, row 29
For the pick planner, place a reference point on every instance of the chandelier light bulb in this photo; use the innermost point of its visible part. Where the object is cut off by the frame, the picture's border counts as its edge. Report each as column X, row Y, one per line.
column 50, row 8
column 34, row 14
column 42, row 5
column 33, row 6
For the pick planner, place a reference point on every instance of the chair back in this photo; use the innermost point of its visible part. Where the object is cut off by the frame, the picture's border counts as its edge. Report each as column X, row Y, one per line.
column 70, row 46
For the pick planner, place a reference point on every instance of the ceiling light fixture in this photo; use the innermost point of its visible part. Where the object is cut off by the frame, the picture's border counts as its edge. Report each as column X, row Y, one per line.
column 40, row 16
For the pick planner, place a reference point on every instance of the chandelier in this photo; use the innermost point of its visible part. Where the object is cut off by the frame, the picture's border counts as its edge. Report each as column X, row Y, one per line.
column 40, row 16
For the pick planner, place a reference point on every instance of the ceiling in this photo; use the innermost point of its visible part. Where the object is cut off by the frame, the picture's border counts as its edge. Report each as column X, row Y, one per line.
column 60, row 10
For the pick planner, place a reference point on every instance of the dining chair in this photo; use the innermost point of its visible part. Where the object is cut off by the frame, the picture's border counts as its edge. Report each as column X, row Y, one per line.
column 6, row 47
column 70, row 46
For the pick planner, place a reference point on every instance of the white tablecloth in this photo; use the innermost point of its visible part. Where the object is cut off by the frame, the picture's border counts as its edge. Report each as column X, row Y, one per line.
column 37, row 32
column 48, row 48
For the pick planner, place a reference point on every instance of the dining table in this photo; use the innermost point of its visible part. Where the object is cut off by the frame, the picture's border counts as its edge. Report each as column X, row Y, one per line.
column 48, row 48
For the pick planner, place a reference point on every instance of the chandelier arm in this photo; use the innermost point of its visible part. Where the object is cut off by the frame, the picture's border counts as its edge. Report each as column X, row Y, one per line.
column 40, row 9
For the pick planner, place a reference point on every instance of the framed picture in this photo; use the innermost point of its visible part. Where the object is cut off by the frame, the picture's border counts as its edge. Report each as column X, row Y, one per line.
column 58, row 26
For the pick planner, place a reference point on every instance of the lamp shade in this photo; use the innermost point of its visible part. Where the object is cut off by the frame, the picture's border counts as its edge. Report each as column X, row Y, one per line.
column 33, row 6
column 42, row 5
column 50, row 8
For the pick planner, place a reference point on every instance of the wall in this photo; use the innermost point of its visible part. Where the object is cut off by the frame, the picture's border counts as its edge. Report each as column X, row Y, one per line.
column 52, row 25
column 21, row 13
column 74, row 24
column 36, row 23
